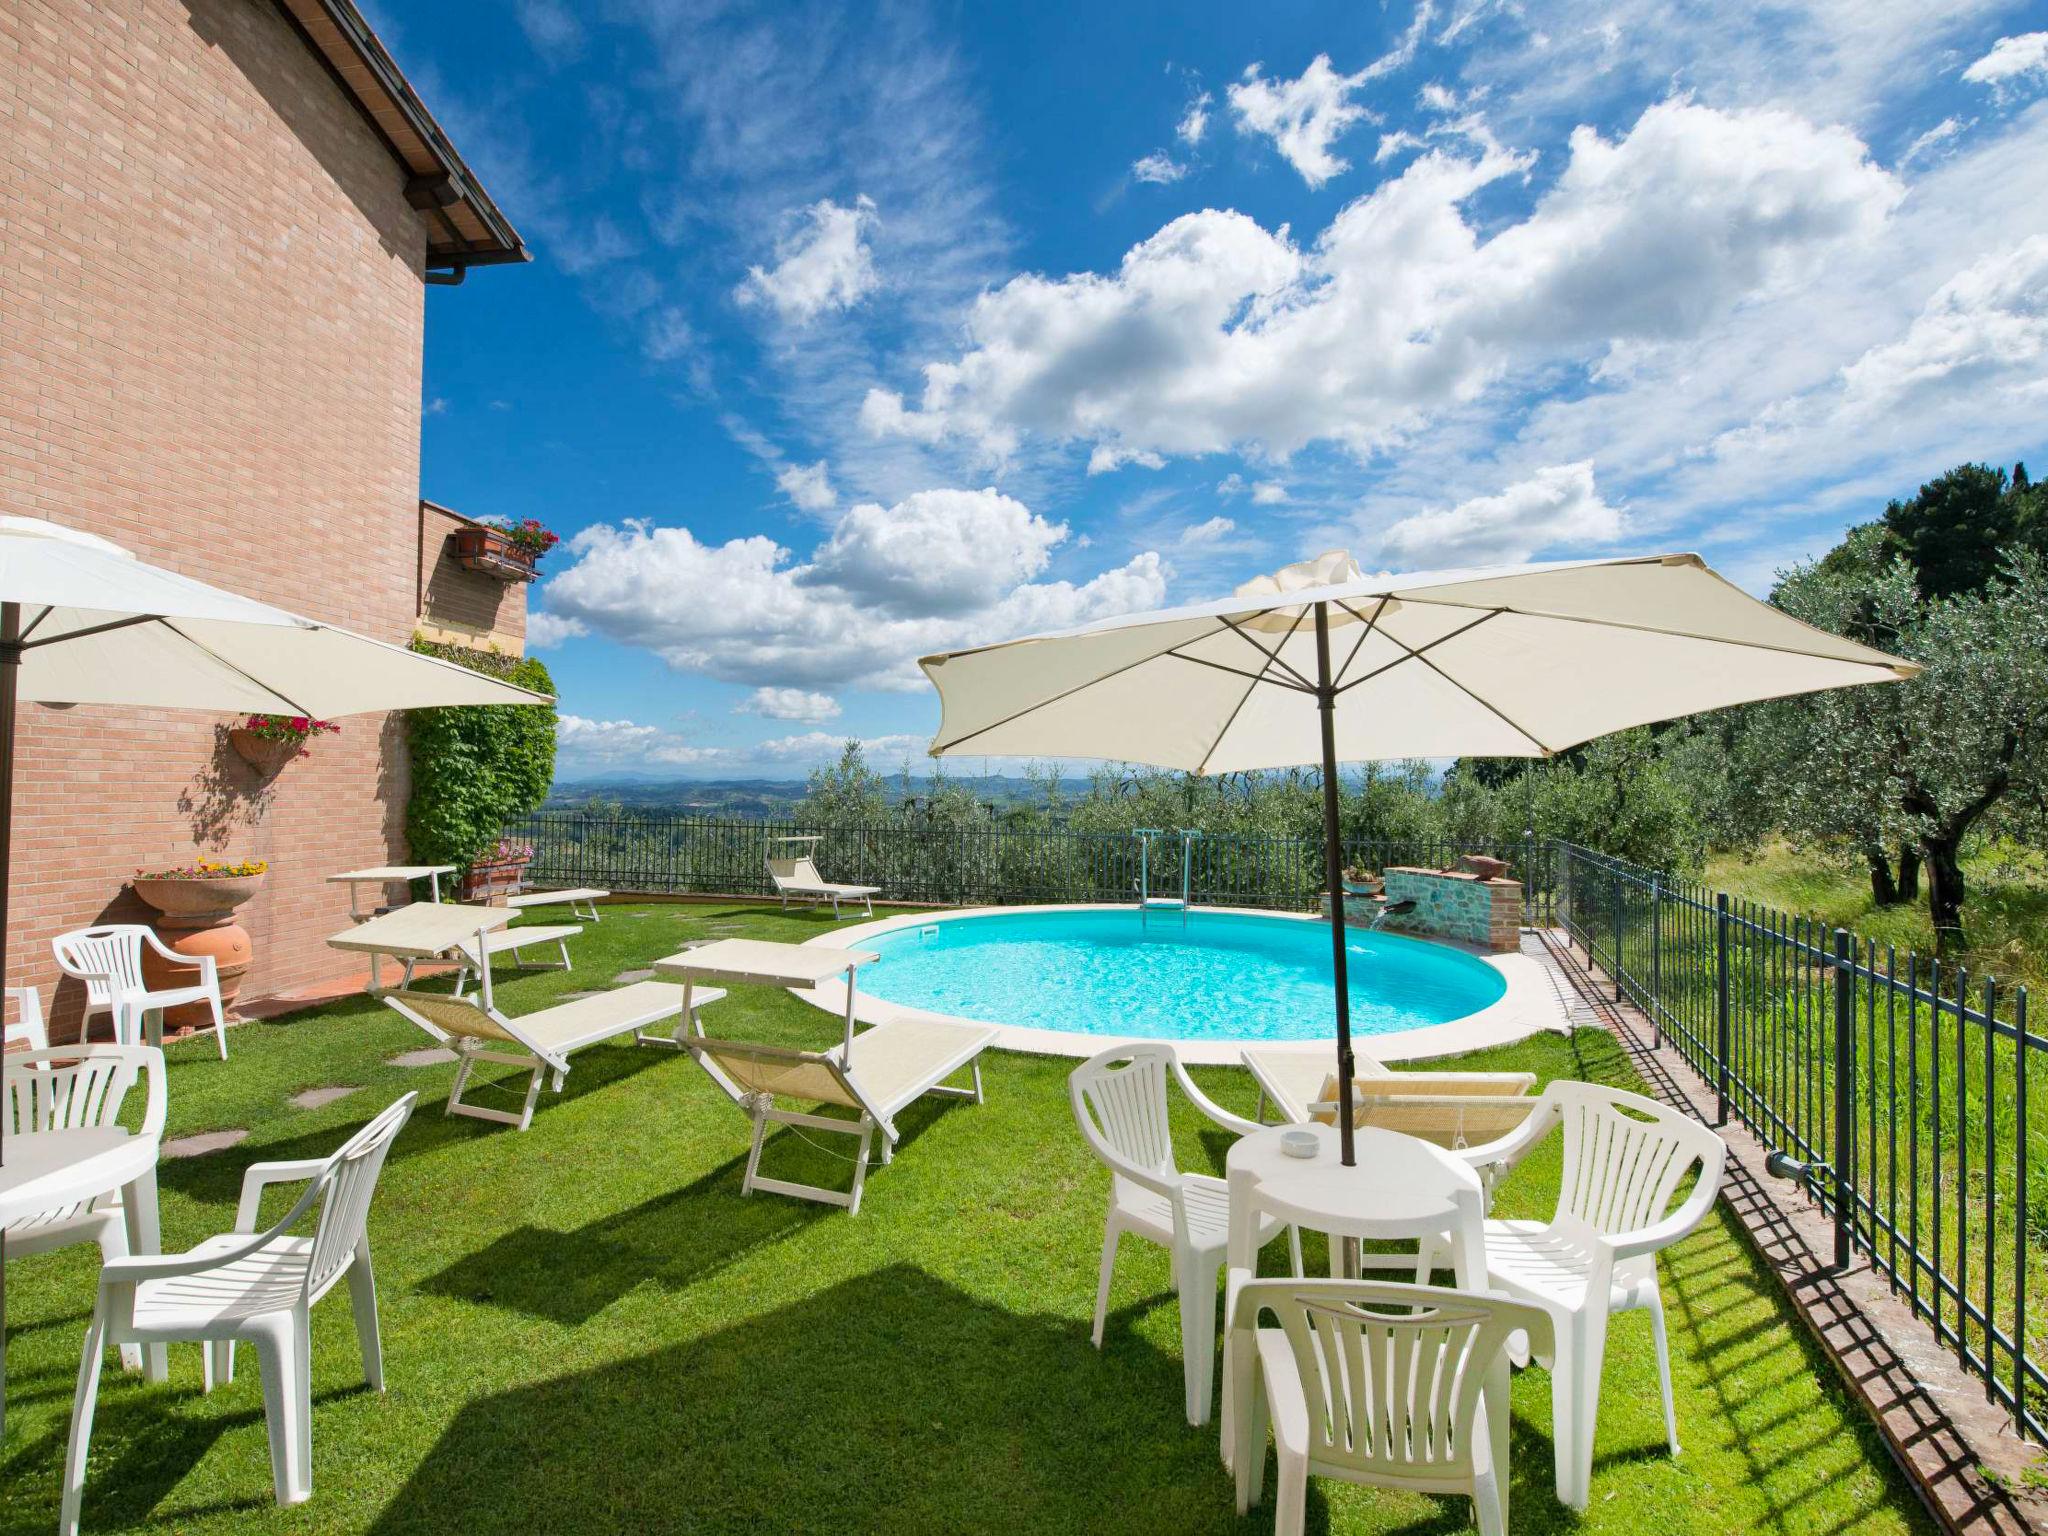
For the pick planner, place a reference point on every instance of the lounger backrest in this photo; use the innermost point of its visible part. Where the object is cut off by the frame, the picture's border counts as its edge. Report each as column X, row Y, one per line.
column 807, row 872
column 1451, row 1120
column 462, row 1018
column 743, row 1068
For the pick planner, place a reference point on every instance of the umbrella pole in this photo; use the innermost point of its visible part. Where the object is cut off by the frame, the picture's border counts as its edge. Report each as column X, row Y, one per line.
column 10, row 677
column 1333, row 861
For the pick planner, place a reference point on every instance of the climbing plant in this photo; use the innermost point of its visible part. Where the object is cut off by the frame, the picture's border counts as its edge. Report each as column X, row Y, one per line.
column 477, row 766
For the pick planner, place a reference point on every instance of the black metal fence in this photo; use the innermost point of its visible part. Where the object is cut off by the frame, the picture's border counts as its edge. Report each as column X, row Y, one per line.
column 1899, row 1080
column 666, row 853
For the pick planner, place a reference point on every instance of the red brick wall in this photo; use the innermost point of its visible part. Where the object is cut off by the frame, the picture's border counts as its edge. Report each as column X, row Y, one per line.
column 464, row 606
column 211, row 321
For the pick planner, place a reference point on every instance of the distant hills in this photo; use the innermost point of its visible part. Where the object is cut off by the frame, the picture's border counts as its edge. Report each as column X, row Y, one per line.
column 748, row 799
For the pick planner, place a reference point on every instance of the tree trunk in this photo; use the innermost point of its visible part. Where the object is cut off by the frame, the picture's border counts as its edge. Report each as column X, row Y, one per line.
column 1909, row 872
column 1945, row 890
column 1884, row 890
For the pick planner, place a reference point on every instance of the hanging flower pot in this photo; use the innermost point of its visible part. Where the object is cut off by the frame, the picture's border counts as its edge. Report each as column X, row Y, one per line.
column 267, row 742
column 509, row 554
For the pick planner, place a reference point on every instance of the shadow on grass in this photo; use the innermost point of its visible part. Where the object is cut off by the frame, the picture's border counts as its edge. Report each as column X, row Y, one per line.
column 674, row 1240
column 219, row 1179
column 888, row 1402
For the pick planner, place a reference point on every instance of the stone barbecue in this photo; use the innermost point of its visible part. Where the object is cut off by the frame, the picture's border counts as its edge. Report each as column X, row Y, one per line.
column 1449, row 904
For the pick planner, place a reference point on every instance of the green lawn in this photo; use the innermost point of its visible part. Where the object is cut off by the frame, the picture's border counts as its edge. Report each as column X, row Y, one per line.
column 587, row 1329
column 2005, row 911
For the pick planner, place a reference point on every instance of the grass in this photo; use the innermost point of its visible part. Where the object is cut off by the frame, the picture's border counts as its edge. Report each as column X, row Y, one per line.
column 587, row 1329
column 2005, row 912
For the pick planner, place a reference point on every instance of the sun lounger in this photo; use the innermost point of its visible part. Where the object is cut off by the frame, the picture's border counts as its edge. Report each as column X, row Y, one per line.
column 1292, row 1080
column 513, row 940
column 581, row 902
column 794, row 875
column 547, row 1039
column 876, row 1074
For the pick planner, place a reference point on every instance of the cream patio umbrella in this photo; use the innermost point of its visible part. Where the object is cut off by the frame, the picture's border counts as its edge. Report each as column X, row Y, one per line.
column 1321, row 665
column 82, row 621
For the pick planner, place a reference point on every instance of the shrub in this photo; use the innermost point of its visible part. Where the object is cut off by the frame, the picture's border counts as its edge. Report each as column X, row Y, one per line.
column 476, row 767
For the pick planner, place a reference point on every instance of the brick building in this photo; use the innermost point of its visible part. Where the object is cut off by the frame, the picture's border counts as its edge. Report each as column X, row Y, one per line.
column 219, row 221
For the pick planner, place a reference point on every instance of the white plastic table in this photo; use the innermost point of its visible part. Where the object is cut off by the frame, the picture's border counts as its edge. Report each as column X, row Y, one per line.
column 1399, row 1188
column 48, row 1170
column 389, row 874
column 768, row 963
column 423, row 931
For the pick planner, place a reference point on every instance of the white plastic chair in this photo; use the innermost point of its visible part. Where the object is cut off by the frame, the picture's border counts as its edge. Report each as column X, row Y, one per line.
column 258, row 1286
column 70, row 1088
column 28, row 1029
column 1376, row 1382
column 1120, row 1102
column 108, row 959
column 1624, row 1158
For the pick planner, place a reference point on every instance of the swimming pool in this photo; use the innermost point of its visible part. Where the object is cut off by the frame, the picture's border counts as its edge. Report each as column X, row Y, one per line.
column 1114, row 971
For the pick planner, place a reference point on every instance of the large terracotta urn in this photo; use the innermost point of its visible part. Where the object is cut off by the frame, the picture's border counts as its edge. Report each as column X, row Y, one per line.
column 198, row 918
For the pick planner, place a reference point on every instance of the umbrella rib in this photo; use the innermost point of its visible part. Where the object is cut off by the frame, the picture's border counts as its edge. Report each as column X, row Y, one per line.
column 92, row 629
column 1272, row 656
column 1235, row 710
column 1652, row 629
column 1363, row 635
column 201, row 645
column 1483, row 703
column 1103, row 677
column 48, row 609
column 1416, row 653
column 1257, row 677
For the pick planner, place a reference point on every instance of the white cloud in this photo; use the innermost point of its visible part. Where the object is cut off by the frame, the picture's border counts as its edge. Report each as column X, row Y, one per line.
column 666, row 335
column 1228, row 336
column 552, row 28
column 1213, row 531
column 438, row 406
column 744, row 612
column 621, row 741
column 1159, row 168
column 824, row 264
column 1557, row 507
column 1108, row 457
column 1268, row 493
column 2011, row 61
column 1985, row 328
column 807, row 486
column 1194, row 122
column 814, row 747
column 546, row 629
column 589, row 246
column 936, row 552
column 1925, row 144
column 1303, row 117
column 799, row 704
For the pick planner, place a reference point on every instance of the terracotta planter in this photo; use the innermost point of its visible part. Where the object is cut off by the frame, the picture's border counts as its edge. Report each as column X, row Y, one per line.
column 497, row 877
column 198, row 919
column 491, row 552
column 261, row 753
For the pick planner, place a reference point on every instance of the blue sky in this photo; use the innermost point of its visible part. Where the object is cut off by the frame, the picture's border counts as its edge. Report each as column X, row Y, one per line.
column 859, row 331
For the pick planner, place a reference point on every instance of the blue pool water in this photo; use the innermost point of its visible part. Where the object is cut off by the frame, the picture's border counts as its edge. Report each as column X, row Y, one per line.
column 1209, row 976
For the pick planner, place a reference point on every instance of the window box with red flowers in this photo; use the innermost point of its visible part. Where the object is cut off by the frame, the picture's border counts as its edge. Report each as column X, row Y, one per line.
column 508, row 553
column 497, row 872
column 267, row 742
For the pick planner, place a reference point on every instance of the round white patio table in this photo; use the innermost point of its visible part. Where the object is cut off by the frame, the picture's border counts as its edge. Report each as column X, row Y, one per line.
column 48, row 1170
column 1399, row 1189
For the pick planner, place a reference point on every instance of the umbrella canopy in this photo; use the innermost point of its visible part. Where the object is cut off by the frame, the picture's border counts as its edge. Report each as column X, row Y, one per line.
column 91, row 624
column 1515, row 661
column 1321, row 664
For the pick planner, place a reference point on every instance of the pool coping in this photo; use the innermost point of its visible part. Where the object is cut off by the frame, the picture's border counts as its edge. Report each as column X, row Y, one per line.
column 1529, row 1006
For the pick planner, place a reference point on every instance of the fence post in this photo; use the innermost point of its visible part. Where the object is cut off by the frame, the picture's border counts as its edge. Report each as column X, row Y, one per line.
column 1529, row 877
column 1845, row 1115
column 1656, row 962
column 1616, row 873
column 1720, row 1008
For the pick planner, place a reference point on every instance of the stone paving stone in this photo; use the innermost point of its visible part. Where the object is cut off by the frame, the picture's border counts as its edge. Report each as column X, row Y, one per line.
column 203, row 1143
column 432, row 1056
column 318, row 1098
column 626, row 978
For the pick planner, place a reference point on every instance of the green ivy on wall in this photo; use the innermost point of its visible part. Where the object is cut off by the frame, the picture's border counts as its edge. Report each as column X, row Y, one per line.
column 476, row 767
